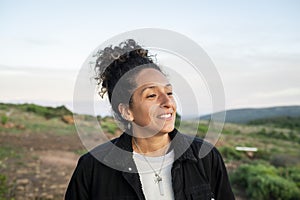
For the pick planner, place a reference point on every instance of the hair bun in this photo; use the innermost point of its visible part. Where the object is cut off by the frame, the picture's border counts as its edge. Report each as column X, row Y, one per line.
column 112, row 63
column 111, row 60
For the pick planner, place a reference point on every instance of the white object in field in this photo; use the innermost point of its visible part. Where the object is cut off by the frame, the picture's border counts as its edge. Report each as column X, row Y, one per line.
column 253, row 149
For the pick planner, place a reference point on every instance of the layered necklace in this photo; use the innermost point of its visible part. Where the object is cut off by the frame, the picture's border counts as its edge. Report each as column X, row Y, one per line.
column 157, row 175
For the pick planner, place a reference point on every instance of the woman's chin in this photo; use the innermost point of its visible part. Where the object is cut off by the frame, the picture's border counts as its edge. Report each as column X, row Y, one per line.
column 167, row 129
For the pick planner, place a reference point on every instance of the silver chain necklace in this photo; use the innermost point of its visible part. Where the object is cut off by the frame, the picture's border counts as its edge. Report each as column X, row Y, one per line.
column 157, row 178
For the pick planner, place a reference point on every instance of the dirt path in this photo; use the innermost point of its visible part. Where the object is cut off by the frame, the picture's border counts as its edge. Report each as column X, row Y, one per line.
column 57, row 158
column 41, row 166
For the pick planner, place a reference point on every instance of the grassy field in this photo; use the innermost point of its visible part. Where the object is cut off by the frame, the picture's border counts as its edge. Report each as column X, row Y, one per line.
column 40, row 148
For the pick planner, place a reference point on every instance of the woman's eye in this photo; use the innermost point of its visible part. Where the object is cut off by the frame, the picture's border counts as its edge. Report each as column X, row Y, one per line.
column 151, row 96
column 170, row 93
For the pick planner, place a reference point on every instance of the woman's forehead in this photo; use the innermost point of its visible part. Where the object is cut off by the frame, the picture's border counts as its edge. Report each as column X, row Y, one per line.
column 151, row 76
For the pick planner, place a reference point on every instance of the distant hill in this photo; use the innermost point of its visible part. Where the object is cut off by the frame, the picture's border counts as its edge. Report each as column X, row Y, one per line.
column 45, row 111
column 243, row 116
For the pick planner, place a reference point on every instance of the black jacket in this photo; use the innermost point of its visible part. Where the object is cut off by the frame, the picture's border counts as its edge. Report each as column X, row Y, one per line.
column 195, row 174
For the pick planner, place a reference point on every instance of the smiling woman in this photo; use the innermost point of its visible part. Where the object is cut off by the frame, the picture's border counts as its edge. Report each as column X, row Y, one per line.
column 151, row 159
column 153, row 105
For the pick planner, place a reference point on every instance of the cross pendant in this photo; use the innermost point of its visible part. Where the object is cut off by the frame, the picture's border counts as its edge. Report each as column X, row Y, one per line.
column 158, row 180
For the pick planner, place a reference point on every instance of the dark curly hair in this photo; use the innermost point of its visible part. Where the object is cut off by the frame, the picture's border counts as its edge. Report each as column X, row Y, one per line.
column 113, row 63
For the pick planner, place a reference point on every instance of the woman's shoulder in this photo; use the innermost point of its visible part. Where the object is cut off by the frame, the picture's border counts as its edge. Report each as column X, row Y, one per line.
column 97, row 153
column 203, row 148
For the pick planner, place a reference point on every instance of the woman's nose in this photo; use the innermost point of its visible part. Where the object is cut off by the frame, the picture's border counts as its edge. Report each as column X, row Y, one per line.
column 166, row 101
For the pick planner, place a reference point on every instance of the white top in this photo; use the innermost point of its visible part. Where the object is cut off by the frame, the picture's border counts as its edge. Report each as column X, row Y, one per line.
column 147, row 176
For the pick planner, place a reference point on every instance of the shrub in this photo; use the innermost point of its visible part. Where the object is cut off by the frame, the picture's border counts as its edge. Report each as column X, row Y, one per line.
column 4, row 188
column 4, row 106
column 264, row 182
column 230, row 153
column 284, row 160
column 110, row 127
column 262, row 154
column 177, row 120
column 280, row 122
column 47, row 112
column 293, row 174
column 6, row 152
column 202, row 130
column 4, row 119
column 290, row 136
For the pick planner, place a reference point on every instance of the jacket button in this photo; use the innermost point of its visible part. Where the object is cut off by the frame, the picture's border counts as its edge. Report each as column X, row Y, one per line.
column 129, row 169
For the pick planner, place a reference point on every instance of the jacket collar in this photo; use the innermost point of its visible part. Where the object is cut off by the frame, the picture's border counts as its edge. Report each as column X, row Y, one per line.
column 182, row 146
column 123, row 147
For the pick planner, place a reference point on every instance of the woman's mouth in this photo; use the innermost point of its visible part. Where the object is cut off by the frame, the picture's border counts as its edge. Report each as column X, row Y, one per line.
column 165, row 116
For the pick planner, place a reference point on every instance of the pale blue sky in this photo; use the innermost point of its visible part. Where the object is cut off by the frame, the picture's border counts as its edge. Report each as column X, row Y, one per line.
column 255, row 45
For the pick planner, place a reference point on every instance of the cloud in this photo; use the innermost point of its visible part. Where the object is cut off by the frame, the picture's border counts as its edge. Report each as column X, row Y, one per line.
column 41, row 41
column 28, row 83
column 287, row 93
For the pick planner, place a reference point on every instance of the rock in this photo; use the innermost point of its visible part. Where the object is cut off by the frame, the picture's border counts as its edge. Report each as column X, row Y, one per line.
column 49, row 196
column 22, row 171
column 250, row 154
column 44, row 194
column 21, row 188
column 9, row 125
column 24, row 181
column 20, row 126
column 62, row 186
column 53, row 187
column 68, row 119
column 62, row 173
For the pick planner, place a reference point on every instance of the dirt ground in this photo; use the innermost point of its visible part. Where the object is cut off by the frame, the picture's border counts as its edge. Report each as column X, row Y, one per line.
column 41, row 166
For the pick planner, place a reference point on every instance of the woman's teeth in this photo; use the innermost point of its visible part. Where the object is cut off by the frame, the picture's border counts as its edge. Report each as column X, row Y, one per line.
column 164, row 116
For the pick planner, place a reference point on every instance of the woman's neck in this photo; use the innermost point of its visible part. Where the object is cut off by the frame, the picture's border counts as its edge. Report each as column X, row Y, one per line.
column 156, row 145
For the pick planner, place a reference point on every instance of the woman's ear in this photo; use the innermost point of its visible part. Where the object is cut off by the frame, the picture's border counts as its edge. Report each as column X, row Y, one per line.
column 125, row 112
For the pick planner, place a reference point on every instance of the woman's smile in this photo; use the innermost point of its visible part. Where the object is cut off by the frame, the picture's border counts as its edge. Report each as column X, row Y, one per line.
column 167, row 116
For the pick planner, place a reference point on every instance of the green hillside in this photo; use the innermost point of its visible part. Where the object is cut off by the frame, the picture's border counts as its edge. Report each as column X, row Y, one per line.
column 243, row 116
column 292, row 123
column 39, row 148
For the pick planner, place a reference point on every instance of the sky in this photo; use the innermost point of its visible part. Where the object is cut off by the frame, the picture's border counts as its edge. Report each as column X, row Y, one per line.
column 254, row 45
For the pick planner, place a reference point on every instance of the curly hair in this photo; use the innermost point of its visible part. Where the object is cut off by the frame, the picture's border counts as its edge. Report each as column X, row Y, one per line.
column 113, row 63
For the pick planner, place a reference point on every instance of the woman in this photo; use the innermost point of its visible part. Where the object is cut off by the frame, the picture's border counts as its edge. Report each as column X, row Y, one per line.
column 151, row 159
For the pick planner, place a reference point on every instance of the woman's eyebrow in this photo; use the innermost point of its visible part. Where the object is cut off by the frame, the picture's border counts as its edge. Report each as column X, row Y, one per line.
column 168, row 85
column 155, row 86
column 149, row 87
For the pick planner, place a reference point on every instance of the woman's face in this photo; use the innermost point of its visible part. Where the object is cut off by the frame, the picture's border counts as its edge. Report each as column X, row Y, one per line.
column 153, row 106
